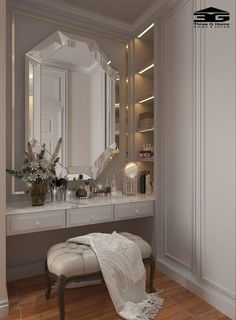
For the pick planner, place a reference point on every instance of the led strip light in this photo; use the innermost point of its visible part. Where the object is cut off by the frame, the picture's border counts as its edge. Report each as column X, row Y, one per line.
column 147, row 99
column 146, row 30
column 146, row 69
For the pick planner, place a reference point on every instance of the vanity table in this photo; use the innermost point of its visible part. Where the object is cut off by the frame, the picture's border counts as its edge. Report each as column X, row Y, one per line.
column 22, row 218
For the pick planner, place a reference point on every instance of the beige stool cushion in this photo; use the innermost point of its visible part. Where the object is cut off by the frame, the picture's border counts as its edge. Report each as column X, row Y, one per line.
column 72, row 259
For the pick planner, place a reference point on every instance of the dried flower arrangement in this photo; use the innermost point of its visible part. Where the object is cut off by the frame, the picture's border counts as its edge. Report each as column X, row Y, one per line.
column 36, row 168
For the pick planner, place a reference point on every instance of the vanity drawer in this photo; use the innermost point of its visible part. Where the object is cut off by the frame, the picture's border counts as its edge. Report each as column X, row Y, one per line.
column 92, row 215
column 34, row 222
column 134, row 210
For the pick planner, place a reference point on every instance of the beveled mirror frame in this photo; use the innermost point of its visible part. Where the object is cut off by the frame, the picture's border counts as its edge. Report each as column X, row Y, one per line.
column 69, row 29
column 37, row 57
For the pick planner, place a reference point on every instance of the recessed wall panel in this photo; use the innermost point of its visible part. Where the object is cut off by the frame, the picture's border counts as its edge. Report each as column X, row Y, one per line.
column 178, row 106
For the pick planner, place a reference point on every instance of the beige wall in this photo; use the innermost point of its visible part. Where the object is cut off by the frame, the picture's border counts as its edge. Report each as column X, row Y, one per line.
column 3, row 292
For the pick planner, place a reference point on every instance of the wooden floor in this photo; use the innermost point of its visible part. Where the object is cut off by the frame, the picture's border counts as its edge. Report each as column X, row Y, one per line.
column 27, row 301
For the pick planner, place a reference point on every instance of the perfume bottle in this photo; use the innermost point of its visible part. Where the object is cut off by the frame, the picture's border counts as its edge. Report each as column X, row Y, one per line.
column 148, row 183
column 87, row 188
column 142, row 181
column 107, row 187
column 113, row 185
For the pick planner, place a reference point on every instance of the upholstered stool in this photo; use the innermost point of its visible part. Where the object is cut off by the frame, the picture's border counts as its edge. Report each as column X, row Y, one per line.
column 71, row 262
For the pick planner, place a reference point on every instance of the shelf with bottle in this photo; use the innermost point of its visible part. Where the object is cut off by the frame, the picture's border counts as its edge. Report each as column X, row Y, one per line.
column 146, row 159
column 147, row 152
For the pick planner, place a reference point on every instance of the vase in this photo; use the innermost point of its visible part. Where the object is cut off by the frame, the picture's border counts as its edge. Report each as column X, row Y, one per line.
column 38, row 193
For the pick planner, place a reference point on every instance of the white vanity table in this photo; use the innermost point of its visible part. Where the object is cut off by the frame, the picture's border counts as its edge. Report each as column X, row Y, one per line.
column 22, row 218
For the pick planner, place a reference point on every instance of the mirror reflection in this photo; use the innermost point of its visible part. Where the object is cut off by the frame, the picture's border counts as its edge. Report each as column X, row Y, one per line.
column 73, row 93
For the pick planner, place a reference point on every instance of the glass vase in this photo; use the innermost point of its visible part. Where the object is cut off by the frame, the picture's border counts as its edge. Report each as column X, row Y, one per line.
column 38, row 193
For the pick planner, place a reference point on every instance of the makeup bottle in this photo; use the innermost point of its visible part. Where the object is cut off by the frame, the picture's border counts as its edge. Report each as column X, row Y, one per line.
column 142, row 182
column 113, row 186
column 107, row 187
column 148, row 183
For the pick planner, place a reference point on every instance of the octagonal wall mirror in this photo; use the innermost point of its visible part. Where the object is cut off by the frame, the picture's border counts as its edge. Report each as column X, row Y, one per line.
column 72, row 92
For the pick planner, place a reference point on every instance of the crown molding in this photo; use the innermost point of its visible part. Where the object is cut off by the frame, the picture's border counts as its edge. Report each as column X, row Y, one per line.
column 58, row 9
column 74, row 15
column 155, row 11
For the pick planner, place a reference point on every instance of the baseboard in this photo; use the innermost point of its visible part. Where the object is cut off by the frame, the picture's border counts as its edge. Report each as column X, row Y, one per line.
column 25, row 271
column 218, row 300
column 4, row 308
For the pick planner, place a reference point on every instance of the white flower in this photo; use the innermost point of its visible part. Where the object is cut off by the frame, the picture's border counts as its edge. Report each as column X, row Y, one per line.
column 32, row 177
column 42, row 175
column 34, row 165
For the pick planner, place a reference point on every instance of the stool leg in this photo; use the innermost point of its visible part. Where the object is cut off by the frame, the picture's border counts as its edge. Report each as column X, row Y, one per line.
column 61, row 283
column 152, row 273
column 48, row 290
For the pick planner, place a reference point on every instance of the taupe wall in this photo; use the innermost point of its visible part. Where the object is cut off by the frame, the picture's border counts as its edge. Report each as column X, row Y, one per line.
column 3, row 292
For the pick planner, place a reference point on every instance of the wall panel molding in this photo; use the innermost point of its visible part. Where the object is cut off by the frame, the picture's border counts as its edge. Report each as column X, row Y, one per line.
column 184, row 10
column 188, row 280
column 4, row 305
column 210, row 272
column 212, row 123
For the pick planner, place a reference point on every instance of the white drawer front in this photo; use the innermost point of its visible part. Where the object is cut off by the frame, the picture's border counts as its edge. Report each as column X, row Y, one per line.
column 134, row 210
column 92, row 215
column 34, row 222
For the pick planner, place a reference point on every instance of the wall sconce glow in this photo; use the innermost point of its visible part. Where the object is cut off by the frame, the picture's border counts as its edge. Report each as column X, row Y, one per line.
column 109, row 62
column 31, row 75
column 31, row 71
column 127, row 80
column 146, row 30
column 127, row 46
column 146, row 69
column 117, row 105
column 146, row 130
column 147, row 99
column 127, row 107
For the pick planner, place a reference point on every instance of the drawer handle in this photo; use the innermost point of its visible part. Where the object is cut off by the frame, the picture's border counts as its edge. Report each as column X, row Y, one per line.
column 37, row 224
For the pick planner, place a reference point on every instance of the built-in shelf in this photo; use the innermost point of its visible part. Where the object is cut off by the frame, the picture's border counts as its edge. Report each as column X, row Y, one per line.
column 148, row 99
column 146, row 130
column 147, row 70
column 146, row 159
column 144, row 99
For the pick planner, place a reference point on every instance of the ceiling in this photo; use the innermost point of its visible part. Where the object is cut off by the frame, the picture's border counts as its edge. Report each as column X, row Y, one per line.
column 124, row 10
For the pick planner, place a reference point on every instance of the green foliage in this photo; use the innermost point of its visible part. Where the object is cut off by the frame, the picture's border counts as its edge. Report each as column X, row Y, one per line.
column 37, row 168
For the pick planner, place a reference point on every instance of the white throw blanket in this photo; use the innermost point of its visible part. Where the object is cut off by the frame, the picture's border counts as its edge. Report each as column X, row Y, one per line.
column 124, row 274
